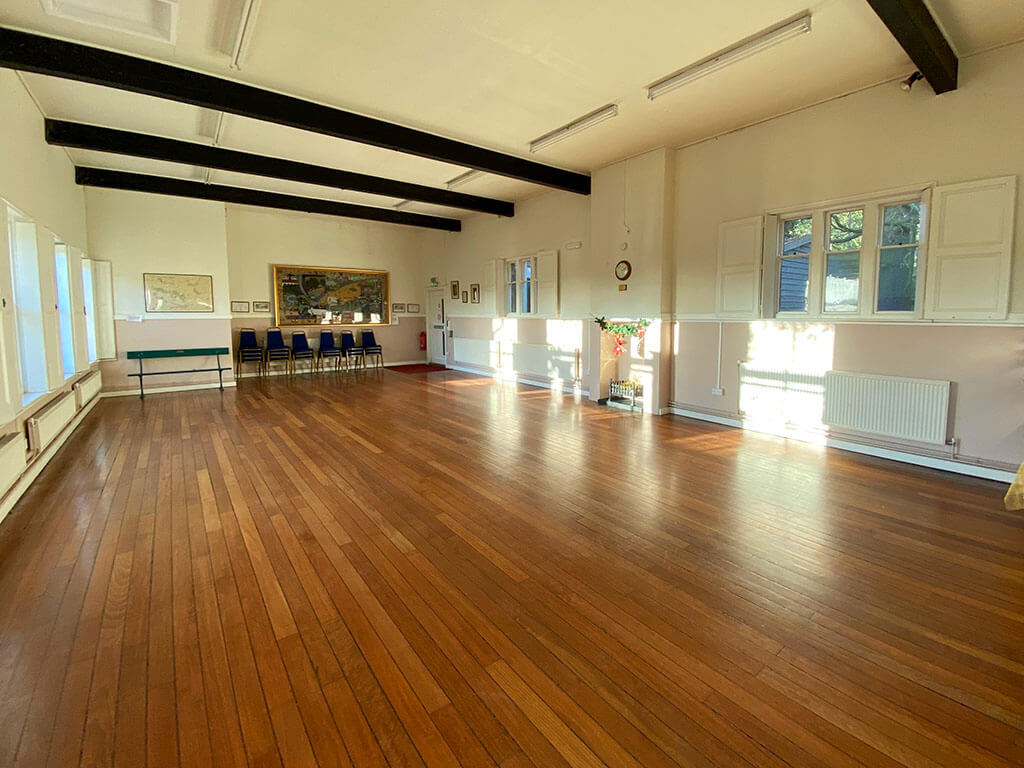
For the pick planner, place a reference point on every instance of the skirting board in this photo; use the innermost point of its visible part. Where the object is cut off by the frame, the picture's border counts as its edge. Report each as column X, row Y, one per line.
column 39, row 463
column 158, row 390
column 947, row 465
column 545, row 384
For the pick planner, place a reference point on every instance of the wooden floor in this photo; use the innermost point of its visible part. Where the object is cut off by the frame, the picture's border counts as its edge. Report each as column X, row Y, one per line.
column 437, row 569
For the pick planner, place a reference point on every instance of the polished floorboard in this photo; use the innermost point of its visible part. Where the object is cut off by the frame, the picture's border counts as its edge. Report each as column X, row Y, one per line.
column 439, row 570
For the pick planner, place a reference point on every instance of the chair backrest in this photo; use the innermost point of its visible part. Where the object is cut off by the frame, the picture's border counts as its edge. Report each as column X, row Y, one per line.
column 347, row 340
column 368, row 340
column 327, row 340
column 299, row 341
column 275, row 339
column 247, row 339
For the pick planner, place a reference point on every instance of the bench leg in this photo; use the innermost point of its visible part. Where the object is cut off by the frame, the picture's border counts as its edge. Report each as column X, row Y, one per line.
column 142, row 391
column 220, row 374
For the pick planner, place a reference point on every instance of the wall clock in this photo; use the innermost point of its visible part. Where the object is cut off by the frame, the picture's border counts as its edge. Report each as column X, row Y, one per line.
column 623, row 270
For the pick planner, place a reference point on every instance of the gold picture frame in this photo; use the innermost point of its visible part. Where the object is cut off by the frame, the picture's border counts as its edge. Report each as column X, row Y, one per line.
column 307, row 296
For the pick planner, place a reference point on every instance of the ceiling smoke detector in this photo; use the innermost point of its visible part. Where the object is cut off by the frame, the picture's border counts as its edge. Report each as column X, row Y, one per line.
column 156, row 19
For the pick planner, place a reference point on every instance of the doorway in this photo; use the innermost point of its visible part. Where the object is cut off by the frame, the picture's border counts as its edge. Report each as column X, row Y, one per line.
column 436, row 346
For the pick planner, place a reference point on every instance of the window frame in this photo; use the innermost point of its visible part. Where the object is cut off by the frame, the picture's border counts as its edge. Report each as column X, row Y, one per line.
column 828, row 251
column 870, row 254
column 519, row 282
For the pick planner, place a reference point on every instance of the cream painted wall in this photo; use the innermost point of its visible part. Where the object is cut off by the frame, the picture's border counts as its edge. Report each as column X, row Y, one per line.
column 140, row 233
column 878, row 139
column 547, row 222
column 258, row 239
column 36, row 178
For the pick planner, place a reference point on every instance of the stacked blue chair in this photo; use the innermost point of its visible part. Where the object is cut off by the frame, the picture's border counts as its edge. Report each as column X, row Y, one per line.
column 276, row 349
column 349, row 350
column 249, row 351
column 328, row 351
column 371, row 347
column 301, row 350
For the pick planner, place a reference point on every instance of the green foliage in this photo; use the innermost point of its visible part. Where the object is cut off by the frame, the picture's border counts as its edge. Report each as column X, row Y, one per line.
column 623, row 330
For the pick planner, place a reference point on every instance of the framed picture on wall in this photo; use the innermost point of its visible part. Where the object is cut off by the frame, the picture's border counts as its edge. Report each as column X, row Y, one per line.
column 261, row 306
column 413, row 308
column 177, row 293
column 465, row 297
column 398, row 307
column 474, row 292
column 239, row 306
column 455, row 289
column 330, row 296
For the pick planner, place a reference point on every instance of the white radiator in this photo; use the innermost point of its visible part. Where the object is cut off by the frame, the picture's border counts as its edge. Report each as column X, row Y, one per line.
column 12, row 460
column 48, row 423
column 910, row 409
column 86, row 389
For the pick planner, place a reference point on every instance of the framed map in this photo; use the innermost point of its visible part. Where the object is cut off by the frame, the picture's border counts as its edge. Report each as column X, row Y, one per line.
column 178, row 293
column 329, row 296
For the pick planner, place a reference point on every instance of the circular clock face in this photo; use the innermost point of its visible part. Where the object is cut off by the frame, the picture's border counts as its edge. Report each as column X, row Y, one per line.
column 623, row 269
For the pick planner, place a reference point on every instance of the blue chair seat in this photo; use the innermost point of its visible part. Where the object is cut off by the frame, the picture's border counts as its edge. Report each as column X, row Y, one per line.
column 371, row 347
column 276, row 348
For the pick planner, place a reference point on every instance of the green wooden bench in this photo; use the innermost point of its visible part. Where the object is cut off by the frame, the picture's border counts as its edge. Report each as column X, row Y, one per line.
column 152, row 354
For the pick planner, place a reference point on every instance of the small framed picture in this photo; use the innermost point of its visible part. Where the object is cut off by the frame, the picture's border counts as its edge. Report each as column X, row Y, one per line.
column 239, row 306
column 465, row 297
column 413, row 309
column 455, row 289
column 474, row 292
column 397, row 307
column 261, row 306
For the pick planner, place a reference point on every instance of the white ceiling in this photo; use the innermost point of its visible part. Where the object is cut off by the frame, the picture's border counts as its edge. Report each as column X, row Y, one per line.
column 493, row 74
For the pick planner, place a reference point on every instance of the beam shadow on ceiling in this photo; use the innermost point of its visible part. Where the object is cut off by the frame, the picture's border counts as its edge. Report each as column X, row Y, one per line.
column 914, row 28
column 43, row 55
column 161, row 185
column 93, row 137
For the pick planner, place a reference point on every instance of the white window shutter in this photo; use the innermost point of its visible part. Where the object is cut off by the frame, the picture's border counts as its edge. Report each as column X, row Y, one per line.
column 45, row 252
column 10, row 382
column 103, row 293
column 738, row 284
column 969, row 246
column 770, row 267
column 546, row 284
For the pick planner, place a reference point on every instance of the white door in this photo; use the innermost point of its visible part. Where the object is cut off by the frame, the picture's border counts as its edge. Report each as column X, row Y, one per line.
column 435, row 326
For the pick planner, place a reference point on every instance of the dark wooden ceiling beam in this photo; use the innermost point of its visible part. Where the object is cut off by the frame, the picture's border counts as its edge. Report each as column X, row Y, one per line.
column 914, row 28
column 30, row 52
column 161, row 185
column 97, row 138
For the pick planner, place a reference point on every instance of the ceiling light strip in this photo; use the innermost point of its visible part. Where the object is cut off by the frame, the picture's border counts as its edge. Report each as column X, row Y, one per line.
column 582, row 124
column 462, row 178
column 730, row 56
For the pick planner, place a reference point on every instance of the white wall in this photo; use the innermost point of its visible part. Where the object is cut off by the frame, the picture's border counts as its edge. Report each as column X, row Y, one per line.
column 878, row 139
column 881, row 138
column 37, row 179
column 141, row 233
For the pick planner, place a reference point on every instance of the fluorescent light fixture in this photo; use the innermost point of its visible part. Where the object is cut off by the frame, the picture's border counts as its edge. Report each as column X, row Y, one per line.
column 729, row 56
column 149, row 18
column 463, row 178
column 587, row 121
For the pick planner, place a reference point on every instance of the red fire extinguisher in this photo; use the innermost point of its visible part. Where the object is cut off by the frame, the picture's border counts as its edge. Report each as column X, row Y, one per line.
column 423, row 340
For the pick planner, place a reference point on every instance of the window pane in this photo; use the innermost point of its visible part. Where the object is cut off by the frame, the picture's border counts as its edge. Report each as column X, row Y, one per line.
column 90, row 313
column 67, row 347
column 796, row 236
column 897, row 279
column 842, row 282
column 512, row 272
column 845, row 230
column 512, row 297
column 527, row 269
column 526, row 297
column 793, row 284
column 901, row 224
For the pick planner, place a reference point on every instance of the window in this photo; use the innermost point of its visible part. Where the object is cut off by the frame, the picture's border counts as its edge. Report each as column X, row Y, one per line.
column 67, row 341
column 794, row 266
column 854, row 259
column 897, row 257
column 519, row 275
column 842, row 260
column 28, row 308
